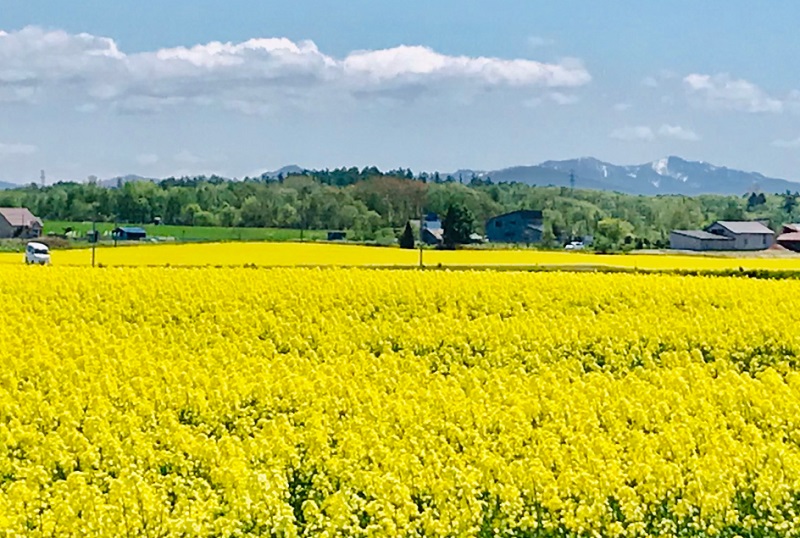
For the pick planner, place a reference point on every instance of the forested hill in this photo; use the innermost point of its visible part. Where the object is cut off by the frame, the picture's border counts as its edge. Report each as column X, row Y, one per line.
column 372, row 204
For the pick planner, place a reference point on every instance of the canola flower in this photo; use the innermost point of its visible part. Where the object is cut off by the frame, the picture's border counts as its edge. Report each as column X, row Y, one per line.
column 355, row 402
column 325, row 254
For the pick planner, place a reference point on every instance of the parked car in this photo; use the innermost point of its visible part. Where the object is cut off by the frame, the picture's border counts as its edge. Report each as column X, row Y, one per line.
column 37, row 253
column 574, row 245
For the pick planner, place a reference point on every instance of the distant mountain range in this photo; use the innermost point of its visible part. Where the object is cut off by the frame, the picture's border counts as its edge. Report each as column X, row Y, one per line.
column 285, row 171
column 670, row 175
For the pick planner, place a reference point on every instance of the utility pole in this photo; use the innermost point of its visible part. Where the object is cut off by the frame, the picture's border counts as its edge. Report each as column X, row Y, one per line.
column 421, row 224
column 94, row 238
column 572, row 180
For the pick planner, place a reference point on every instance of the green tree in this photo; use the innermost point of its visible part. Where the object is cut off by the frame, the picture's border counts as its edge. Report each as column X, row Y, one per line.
column 733, row 210
column 205, row 218
column 229, row 216
column 457, row 226
column 253, row 213
column 755, row 200
column 613, row 235
column 789, row 202
column 407, row 238
column 188, row 214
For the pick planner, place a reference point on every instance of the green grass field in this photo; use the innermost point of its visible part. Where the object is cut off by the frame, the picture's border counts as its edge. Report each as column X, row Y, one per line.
column 193, row 233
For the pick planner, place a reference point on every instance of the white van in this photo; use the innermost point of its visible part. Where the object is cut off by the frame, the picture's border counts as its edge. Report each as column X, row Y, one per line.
column 37, row 253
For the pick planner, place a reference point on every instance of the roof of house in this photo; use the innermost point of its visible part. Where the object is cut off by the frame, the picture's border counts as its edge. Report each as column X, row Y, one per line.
column 700, row 234
column 131, row 230
column 744, row 227
column 793, row 227
column 528, row 214
column 789, row 237
column 19, row 216
column 438, row 233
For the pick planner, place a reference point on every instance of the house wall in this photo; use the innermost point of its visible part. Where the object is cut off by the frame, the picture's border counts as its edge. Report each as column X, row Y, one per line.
column 791, row 245
column 31, row 232
column 753, row 241
column 744, row 241
column 512, row 229
column 6, row 230
column 685, row 242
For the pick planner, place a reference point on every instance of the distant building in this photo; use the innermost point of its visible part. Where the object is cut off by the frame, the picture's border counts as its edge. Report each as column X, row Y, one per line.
column 698, row 240
column 432, row 222
column 789, row 237
column 523, row 226
column 724, row 235
column 129, row 233
column 433, row 236
column 432, row 232
column 19, row 222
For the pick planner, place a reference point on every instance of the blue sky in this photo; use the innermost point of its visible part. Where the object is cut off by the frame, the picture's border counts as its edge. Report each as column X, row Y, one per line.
column 238, row 87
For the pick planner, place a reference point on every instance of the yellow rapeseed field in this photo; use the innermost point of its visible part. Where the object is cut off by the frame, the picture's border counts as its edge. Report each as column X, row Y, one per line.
column 322, row 254
column 357, row 402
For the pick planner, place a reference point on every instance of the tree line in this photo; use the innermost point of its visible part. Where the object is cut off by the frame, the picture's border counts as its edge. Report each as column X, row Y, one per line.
column 376, row 206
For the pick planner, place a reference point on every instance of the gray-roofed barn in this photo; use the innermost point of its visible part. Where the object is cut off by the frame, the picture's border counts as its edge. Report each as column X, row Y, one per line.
column 740, row 227
column 19, row 222
column 698, row 240
column 746, row 235
column 724, row 235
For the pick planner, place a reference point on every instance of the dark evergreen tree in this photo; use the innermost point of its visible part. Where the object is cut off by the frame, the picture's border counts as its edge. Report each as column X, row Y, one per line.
column 789, row 202
column 458, row 225
column 407, row 238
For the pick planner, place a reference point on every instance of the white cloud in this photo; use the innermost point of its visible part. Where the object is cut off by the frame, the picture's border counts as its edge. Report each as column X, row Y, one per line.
column 412, row 63
column 678, row 133
column 147, row 159
column 721, row 91
column 639, row 133
column 251, row 76
column 787, row 144
column 622, row 107
column 644, row 133
column 16, row 150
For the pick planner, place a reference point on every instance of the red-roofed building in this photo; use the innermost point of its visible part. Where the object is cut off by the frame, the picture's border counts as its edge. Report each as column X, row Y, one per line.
column 790, row 237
